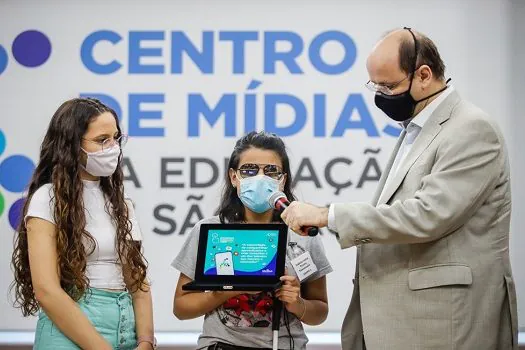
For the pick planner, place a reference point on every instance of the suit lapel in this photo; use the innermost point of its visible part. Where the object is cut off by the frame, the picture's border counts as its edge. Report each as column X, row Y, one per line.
column 429, row 132
column 388, row 168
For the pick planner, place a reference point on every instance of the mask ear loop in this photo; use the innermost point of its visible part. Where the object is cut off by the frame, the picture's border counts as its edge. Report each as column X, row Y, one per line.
column 416, row 52
column 282, row 182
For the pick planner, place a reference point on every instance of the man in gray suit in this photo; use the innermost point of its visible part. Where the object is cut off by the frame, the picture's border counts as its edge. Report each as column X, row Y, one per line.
column 433, row 268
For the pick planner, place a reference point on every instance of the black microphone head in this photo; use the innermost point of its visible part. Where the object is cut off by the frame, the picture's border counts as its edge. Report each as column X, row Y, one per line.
column 275, row 197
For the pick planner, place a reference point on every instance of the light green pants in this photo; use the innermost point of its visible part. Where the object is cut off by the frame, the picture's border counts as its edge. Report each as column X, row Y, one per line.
column 111, row 313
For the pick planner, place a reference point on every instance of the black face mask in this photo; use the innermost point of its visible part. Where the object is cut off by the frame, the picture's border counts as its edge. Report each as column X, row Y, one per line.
column 400, row 107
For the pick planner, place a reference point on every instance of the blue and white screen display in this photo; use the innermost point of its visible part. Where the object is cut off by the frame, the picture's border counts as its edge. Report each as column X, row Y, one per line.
column 241, row 252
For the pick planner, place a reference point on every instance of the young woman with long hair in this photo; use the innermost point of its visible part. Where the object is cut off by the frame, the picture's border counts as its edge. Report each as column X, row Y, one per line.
column 78, row 258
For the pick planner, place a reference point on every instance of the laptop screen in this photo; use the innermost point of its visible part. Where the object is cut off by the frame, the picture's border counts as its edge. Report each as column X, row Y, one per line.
column 238, row 252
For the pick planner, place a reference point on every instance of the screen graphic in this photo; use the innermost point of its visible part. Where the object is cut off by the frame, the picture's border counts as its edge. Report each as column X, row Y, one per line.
column 241, row 252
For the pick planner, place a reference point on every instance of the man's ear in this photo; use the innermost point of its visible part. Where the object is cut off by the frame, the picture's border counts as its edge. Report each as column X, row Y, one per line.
column 424, row 75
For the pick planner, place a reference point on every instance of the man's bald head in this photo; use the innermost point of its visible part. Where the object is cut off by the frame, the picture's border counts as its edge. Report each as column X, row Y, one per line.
column 397, row 48
column 405, row 62
column 384, row 58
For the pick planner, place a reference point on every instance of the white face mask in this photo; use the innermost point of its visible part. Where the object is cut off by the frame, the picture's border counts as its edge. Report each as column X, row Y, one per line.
column 102, row 163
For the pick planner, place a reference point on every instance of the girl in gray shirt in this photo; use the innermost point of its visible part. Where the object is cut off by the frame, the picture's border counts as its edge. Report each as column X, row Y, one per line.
column 258, row 167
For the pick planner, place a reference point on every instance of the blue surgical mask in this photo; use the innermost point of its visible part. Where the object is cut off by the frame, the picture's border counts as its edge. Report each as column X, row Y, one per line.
column 255, row 192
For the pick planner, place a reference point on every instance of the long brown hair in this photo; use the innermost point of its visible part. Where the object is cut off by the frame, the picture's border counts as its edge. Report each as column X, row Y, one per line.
column 59, row 164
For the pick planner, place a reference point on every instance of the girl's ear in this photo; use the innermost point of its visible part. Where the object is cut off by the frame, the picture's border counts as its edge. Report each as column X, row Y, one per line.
column 233, row 177
column 283, row 182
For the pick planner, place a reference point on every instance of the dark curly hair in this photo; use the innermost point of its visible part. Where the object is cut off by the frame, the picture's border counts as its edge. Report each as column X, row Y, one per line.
column 59, row 165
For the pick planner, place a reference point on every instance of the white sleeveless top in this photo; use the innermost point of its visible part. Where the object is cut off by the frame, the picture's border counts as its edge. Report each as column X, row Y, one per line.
column 103, row 269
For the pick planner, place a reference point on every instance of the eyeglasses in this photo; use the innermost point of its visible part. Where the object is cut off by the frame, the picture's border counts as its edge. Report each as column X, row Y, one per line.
column 385, row 89
column 111, row 141
column 252, row 169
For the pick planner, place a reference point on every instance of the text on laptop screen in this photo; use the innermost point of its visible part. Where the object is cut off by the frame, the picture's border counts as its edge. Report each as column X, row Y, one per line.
column 241, row 252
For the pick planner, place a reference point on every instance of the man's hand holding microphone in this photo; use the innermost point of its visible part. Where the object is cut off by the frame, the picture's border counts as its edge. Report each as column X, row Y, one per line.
column 302, row 218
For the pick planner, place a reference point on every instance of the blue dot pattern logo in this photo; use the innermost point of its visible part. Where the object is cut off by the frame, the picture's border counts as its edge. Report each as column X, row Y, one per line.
column 15, row 174
column 2, row 142
column 30, row 48
column 3, row 59
column 15, row 212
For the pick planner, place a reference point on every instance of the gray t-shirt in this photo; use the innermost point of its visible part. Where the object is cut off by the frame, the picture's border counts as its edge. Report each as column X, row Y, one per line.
column 247, row 319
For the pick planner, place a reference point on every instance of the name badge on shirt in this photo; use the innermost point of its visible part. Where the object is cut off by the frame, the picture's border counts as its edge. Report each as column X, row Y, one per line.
column 304, row 266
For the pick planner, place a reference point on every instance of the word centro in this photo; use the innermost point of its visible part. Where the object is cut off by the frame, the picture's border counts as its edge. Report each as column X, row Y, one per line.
column 281, row 51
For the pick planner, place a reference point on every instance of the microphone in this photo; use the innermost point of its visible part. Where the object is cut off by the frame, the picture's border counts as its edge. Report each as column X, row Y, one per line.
column 279, row 202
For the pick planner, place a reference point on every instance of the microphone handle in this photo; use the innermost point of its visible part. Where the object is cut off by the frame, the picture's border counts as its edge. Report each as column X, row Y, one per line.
column 310, row 230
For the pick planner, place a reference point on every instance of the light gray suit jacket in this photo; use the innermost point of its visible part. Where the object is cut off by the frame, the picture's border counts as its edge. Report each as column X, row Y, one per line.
column 433, row 269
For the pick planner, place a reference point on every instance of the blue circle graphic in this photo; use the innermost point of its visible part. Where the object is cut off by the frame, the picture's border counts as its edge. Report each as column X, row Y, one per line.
column 3, row 59
column 31, row 48
column 16, row 172
column 15, row 212
column 2, row 142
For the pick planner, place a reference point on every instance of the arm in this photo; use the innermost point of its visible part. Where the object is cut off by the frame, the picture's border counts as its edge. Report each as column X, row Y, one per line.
column 467, row 166
column 143, row 310
column 189, row 304
column 312, row 308
column 466, row 169
column 59, row 306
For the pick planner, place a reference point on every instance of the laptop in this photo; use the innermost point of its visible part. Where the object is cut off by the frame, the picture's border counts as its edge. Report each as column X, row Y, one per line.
column 240, row 257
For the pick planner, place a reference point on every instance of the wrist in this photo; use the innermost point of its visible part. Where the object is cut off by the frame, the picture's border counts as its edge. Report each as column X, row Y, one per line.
column 148, row 340
column 323, row 217
column 223, row 296
column 299, row 308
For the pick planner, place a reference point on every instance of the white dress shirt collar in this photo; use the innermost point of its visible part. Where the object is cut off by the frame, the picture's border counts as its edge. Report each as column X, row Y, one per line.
column 421, row 118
